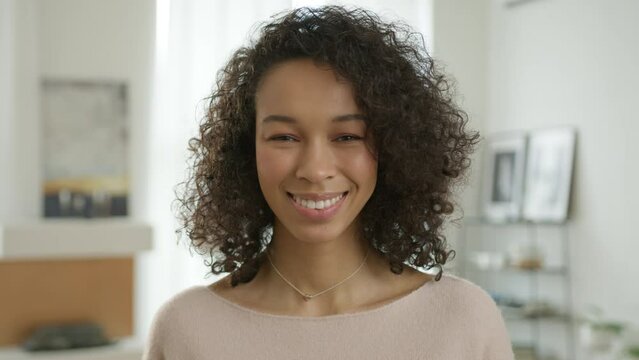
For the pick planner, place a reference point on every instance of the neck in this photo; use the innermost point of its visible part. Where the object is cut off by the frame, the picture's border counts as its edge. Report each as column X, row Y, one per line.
column 313, row 267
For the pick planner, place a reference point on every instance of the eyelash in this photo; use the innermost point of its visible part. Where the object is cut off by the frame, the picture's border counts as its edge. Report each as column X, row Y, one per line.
column 288, row 138
column 353, row 137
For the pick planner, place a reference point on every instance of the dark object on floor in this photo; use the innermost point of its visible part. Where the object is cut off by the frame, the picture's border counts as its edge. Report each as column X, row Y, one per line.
column 66, row 337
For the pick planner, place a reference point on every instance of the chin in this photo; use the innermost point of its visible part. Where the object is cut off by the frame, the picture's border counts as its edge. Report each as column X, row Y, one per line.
column 318, row 233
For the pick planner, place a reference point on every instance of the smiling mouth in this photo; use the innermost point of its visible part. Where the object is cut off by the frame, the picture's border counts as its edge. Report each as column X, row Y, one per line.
column 317, row 204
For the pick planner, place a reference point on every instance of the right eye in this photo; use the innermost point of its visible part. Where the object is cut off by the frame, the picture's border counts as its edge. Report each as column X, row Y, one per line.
column 284, row 138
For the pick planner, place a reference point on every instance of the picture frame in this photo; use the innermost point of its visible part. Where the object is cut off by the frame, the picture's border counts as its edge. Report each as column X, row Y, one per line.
column 505, row 157
column 86, row 148
column 549, row 172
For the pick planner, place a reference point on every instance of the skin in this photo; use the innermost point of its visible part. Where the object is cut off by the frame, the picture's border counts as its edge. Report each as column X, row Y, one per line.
column 311, row 139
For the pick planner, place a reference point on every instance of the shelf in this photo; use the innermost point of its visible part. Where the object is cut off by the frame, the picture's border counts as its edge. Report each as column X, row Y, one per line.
column 477, row 221
column 528, row 240
column 558, row 318
column 555, row 270
column 123, row 350
column 64, row 238
column 518, row 315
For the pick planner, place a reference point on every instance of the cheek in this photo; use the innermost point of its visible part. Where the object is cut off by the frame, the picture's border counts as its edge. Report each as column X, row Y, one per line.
column 364, row 166
column 271, row 166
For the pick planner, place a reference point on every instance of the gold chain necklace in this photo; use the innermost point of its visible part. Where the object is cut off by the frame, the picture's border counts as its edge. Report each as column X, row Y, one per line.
column 306, row 296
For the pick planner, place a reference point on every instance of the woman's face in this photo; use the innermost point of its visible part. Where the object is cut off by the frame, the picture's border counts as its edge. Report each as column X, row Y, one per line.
column 314, row 162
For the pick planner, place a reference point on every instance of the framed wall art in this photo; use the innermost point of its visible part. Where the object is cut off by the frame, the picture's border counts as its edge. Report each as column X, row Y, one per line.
column 549, row 174
column 85, row 136
column 505, row 157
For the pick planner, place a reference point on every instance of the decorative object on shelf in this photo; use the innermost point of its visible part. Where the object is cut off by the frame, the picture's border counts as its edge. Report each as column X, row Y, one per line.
column 506, row 301
column 515, row 3
column 600, row 336
column 631, row 353
column 630, row 344
column 524, row 352
column 526, row 256
column 503, row 176
column 539, row 309
column 86, row 147
column 549, row 174
column 513, row 308
column 488, row 260
column 62, row 337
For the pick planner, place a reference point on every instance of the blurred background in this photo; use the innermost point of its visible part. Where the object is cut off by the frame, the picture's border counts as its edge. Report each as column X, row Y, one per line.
column 99, row 98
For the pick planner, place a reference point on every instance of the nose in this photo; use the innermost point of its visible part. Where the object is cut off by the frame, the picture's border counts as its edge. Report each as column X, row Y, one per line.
column 316, row 163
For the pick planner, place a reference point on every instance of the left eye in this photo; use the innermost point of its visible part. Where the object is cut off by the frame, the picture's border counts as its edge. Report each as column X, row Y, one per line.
column 348, row 138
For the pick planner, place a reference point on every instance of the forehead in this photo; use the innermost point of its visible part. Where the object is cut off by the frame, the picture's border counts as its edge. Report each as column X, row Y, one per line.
column 302, row 88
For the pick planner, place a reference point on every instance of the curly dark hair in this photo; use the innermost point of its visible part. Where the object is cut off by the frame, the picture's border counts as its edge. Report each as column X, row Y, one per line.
column 419, row 135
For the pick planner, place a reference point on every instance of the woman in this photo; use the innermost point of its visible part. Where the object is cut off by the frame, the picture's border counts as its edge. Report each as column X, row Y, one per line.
column 323, row 174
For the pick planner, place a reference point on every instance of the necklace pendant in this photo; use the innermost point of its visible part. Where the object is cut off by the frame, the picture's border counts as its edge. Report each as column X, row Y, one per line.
column 308, row 297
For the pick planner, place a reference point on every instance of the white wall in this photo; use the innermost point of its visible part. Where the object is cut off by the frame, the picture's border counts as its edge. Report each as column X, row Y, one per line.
column 70, row 39
column 6, row 101
column 18, row 118
column 573, row 62
column 460, row 48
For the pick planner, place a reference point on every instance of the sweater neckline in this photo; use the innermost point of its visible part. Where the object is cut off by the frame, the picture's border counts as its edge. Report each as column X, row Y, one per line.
column 362, row 313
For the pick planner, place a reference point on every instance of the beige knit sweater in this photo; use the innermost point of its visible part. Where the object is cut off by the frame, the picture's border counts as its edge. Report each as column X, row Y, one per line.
column 452, row 319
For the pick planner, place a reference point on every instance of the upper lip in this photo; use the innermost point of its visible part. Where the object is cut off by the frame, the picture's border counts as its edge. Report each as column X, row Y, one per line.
column 318, row 196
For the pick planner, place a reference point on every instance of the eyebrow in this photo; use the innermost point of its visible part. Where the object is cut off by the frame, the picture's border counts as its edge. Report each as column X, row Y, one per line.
column 292, row 120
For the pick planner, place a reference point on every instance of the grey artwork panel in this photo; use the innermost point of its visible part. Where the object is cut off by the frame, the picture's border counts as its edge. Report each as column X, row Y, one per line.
column 85, row 130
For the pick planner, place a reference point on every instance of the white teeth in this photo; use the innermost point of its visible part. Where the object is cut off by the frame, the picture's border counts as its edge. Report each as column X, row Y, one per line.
column 320, row 204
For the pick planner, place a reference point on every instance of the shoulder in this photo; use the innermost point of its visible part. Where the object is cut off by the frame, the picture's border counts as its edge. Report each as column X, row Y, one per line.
column 466, row 299
column 170, row 323
column 471, row 310
column 181, row 305
column 463, row 292
column 462, row 305
column 183, row 311
column 172, row 309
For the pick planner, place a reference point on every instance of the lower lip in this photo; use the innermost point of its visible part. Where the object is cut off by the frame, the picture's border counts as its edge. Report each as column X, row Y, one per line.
column 318, row 214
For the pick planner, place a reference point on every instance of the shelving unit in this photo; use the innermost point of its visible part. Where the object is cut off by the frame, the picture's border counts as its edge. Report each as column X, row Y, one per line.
column 473, row 237
column 85, row 271
column 73, row 238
